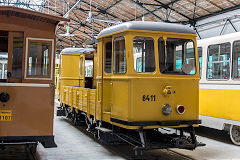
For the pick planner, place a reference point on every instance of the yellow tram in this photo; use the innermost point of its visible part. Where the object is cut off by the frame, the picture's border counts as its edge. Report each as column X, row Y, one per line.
column 27, row 54
column 143, row 78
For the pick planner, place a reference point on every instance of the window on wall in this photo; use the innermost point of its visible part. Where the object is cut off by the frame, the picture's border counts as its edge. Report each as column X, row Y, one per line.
column 177, row 57
column 81, row 67
column 144, row 55
column 236, row 60
column 88, row 68
column 17, row 57
column 108, row 57
column 219, row 61
column 3, row 54
column 200, row 60
column 119, row 56
column 39, row 57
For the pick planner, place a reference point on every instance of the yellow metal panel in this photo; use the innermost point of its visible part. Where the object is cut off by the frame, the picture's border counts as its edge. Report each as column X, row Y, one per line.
column 70, row 65
column 80, row 98
column 184, row 92
column 220, row 103
column 74, row 97
column 85, row 99
column 92, row 102
column 120, row 99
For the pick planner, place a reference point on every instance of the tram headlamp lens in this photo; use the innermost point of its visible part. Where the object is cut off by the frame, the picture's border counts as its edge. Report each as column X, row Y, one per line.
column 180, row 109
column 167, row 109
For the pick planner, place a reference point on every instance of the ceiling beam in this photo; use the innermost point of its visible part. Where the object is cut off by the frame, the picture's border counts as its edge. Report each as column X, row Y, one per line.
column 170, row 3
column 149, row 11
column 214, row 14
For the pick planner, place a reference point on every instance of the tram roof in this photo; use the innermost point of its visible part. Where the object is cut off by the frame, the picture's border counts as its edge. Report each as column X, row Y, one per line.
column 26, row 13
column 148, row 26
column 77, row 50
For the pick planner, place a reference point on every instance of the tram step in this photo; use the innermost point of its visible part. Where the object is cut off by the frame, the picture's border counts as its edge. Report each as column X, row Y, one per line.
column 103, row 129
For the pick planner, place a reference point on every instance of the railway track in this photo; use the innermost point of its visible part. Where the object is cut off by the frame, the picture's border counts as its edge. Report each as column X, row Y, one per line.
column 127, row 153
column 19, row 152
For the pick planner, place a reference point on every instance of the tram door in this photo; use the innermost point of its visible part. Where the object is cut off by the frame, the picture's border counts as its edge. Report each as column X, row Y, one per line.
column 15, row 55
column 107, row 73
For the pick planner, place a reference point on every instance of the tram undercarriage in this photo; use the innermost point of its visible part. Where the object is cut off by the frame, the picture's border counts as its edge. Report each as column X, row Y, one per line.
column 140, row 140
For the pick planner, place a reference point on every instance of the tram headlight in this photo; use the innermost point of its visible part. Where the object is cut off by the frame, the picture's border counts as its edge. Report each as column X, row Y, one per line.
column 167, row 109
column 4, row 97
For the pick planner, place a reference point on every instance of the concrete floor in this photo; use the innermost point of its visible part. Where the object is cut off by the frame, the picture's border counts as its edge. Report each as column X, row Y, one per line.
column 76, row 144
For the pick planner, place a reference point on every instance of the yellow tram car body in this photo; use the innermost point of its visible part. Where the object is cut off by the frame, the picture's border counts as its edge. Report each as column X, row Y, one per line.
column 130, row 95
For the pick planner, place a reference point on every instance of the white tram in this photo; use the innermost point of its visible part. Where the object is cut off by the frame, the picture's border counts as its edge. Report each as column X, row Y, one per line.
column 219, row 60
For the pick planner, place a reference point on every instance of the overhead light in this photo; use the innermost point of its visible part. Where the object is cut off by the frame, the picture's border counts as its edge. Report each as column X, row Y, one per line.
column 67, row 34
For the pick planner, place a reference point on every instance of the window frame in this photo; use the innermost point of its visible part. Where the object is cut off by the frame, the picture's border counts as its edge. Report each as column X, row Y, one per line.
column 154, row 50
column 104, row 57
column 164, row 38
column 230, row 62
column 200, row 68
column 51, row 57
column 232, row 78
column 113, row 60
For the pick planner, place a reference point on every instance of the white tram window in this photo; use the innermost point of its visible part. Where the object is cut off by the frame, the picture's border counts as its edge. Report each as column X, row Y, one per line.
column 177, row 57
column 38, row 60
column 236, row 60
column 144, row 55
column 119, row 56
column 200, row 60
column 218, row 61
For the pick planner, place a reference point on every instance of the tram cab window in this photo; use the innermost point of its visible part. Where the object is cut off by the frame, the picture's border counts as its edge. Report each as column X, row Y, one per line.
column 200, row 60
column 119, row 56
column 177, row 56
column 38, row 60
column 236, row 60
column 3, row 54
column 144, row 55
column 219, row 61
column 89, row 73
column 108, row 57
column 88, row 68
column 81, row 67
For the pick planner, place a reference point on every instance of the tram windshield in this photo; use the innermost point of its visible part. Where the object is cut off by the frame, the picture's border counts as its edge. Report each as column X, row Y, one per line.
column 177, row 56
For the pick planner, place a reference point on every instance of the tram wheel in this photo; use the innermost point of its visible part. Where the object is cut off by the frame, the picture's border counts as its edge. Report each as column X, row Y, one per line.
column 235, row 134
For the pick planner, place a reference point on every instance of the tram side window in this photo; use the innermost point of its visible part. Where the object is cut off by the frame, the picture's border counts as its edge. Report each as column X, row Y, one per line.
column 200, row 60
column 108, row 57
column 177, row 57
column 144, row 55
column 88, row 68
column 17, row 57
column 119, row 56
column 3, row 54
column 218, row 61
column 81, row 67
column 236, row 60
column 38, row 60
